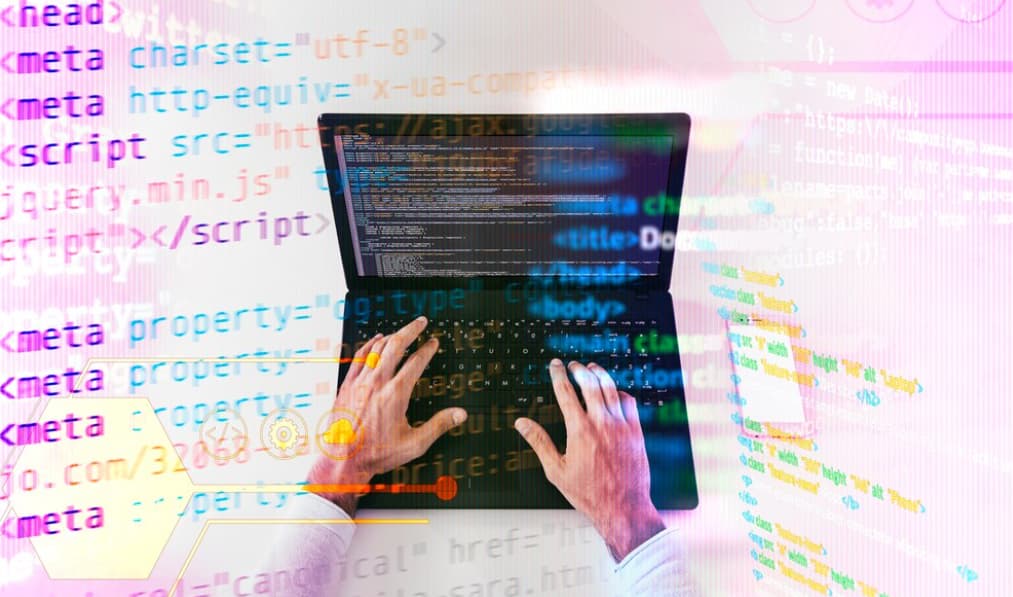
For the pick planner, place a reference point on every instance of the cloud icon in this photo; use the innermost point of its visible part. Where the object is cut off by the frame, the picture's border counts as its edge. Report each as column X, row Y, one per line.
column 340, row 432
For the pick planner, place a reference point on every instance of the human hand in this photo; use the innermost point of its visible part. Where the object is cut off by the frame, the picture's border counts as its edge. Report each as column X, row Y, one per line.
column 604, row 473
column 378, row 397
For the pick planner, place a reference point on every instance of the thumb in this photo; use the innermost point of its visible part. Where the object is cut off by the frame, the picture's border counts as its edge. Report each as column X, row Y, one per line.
column 431, row 430
column 541, row 443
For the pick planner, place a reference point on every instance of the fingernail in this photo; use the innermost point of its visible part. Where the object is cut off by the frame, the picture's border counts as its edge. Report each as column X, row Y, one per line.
column 459, row 416
column 378, row 336
column 556, row 363
column 422, row 318
column 522, row 425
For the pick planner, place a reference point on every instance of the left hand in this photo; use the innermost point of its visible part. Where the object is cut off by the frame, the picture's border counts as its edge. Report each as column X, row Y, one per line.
column 378, row 397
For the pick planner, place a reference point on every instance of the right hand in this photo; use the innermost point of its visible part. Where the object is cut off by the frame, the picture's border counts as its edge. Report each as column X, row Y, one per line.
column 604, row 473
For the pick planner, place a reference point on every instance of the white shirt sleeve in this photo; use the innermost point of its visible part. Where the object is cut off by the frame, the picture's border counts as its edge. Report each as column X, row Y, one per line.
column 317, row 539
column 657, row 567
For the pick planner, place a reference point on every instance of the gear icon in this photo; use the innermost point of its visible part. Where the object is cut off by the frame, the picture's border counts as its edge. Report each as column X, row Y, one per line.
column 283, row 433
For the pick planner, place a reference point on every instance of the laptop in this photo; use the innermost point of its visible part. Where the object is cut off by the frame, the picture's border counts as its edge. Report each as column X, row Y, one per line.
column 521, row 238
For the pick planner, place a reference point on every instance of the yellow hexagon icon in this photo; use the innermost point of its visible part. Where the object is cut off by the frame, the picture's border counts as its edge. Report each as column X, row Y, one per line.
column 97, row 489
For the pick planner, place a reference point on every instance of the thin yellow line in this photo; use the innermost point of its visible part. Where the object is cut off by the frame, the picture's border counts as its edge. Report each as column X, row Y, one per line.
column 88, row 363
column 328, row 521
column 220, row 359
column 189, row 557
column 251, row 488
column 208, row 523
column 40, row 404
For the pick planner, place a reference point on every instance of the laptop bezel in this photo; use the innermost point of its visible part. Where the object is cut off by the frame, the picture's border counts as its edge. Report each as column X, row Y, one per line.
column 676, row 125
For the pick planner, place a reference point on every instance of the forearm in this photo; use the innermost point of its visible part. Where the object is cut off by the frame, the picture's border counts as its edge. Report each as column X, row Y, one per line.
column 348, row 502
column 316, row 540
column 339, row 483
column 656, row 567
column 624, row 534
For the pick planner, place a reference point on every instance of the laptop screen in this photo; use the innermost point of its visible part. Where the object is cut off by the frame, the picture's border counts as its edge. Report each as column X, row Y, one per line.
column 552, row 205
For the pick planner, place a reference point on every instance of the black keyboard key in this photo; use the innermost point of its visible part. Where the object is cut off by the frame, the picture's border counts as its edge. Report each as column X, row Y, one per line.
column 506, row 361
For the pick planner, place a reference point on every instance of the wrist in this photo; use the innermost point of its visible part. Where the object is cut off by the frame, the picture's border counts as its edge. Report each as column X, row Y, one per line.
column 338, row 482
column 348, row 502
column 624, row 534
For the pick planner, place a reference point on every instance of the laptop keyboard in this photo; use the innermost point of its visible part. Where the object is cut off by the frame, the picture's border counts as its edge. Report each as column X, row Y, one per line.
column 484, row 362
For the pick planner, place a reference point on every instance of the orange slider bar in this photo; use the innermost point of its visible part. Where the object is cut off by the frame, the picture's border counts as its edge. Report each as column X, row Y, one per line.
column 445, row 488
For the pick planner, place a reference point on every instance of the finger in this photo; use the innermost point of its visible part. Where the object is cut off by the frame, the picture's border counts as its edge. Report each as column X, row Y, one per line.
column 573, row 414
column 541, row 443
column 359, row 358
column 630, row 411
column 369, row 372
column 609, row 392
column 396, row 345
column 424, row 435
column 417, row 363
column 590, row 389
